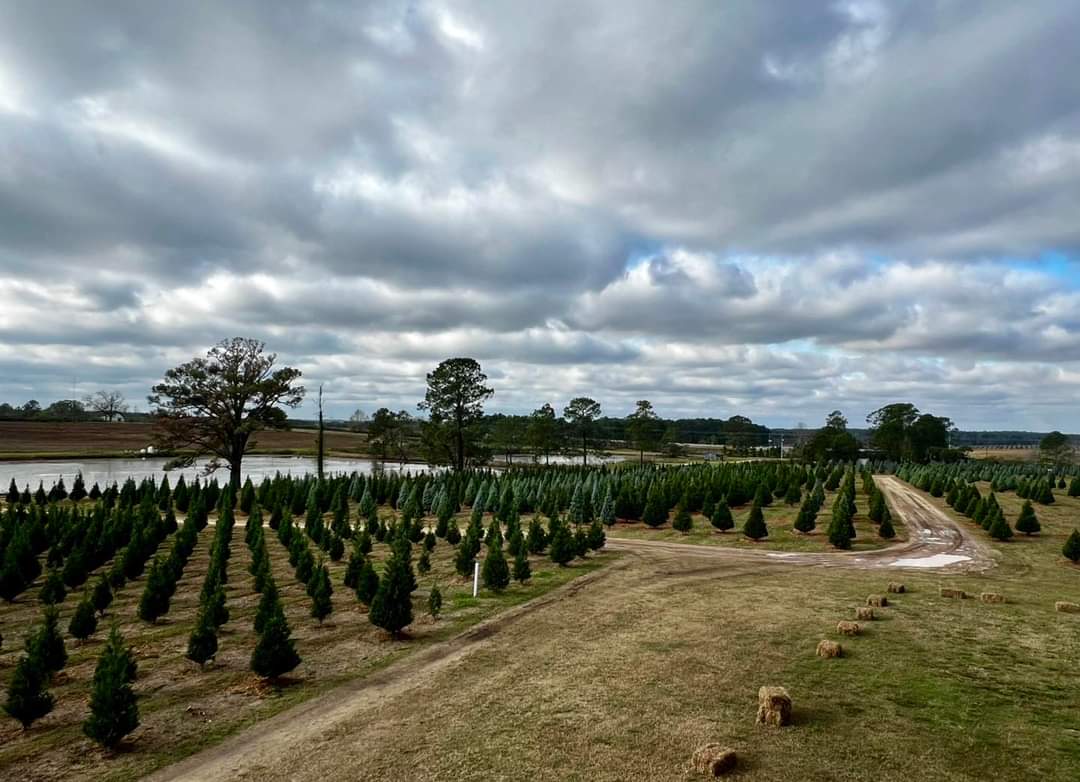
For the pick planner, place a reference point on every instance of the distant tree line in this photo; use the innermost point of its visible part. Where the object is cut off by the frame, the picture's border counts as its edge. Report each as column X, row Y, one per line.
column 99, row 406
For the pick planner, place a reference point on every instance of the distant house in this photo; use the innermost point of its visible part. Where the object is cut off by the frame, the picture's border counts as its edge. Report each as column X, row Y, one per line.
column 113, row 418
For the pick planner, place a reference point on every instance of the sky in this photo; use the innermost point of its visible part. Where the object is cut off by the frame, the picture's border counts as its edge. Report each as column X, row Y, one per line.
column 758, row 207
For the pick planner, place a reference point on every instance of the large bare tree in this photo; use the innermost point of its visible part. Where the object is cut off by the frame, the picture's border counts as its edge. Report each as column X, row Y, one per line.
column 213, row 405
column 107, row 404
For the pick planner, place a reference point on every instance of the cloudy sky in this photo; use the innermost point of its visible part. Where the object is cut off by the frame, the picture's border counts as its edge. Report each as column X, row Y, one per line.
column 772, row 208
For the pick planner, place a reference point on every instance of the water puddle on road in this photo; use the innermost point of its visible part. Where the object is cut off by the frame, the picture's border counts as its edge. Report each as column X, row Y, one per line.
column 937, row 560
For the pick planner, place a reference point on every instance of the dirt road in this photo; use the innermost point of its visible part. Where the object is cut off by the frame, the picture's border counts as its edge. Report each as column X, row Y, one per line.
column 292, row 744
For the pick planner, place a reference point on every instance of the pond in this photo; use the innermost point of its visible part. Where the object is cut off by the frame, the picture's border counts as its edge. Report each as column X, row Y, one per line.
column 106, row 471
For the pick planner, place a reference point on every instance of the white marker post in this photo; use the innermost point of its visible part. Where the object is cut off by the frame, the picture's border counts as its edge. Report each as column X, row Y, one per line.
column 475, row 578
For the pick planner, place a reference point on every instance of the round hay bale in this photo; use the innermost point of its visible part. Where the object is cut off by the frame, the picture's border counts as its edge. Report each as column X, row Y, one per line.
column 897, row 588
column 992, row 597
column 956, row 594
column 774, row 706
column 714, row 760
column 1066, row 607
column 877, row 601
column 864, row 613
column 848, row 628
column 826, row 648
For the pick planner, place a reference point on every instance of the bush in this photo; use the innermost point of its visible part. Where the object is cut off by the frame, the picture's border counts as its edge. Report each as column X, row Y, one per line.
column 1071, row 549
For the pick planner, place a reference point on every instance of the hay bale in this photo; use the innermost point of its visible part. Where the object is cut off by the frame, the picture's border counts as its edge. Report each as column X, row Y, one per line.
column 827, row 648
column 714, row 760
column 1066, row 607
column 877, row 601
column 848, row 628
column 957, row 594
column 864, row 613
column 774, row 706
column 992, row 597
column 897, row 588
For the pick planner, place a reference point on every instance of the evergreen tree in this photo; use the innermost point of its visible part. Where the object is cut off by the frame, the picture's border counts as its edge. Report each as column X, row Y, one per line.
column 999, row 528
column 275, row 654
column 885, row 530
column 269, row 602
column 84, row 620
column 113, row 710
column 1028, row 523
column 27, row 698
column 320, row 595
column 538, row 539
column 495, row 572
column 203, row 642
column 155, row 597
column 367, row 583
column 682, row 521
column 46, row 645
column 655, row 506
column 53, row 591
column 1071, row 549
column 1074, row 486
column 522, row 570
column 596, row 536
column 561, row 547
column 423, row 564
column 435, row 601
column 721, row 517
column 102, row 595
column 391, row 608
column 755, row 527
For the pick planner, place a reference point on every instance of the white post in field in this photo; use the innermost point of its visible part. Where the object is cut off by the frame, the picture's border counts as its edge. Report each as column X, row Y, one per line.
column 475, row 578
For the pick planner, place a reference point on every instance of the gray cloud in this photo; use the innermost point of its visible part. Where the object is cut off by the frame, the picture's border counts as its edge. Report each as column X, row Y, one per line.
column 773, row 208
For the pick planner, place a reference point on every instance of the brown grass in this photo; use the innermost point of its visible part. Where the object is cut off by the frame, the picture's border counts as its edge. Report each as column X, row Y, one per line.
column 19, row 439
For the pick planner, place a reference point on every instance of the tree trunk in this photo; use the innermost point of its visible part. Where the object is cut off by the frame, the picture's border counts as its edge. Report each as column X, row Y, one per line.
column 234, row 471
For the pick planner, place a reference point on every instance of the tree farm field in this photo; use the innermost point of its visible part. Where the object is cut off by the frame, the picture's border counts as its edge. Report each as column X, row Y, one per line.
column 184, row 708
column 665, row 652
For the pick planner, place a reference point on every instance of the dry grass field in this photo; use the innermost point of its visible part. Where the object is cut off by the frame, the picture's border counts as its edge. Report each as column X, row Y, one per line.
column 30, row 439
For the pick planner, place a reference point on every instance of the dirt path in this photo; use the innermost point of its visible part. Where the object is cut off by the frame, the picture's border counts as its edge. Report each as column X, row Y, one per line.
column 276, row 748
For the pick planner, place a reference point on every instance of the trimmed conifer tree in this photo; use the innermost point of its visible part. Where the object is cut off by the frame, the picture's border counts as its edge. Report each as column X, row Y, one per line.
column 27, row 698
column 561, row 548
column 114, row 712
column 522, row 570
column 682, row 521
column 84, row 620
column 1028, row 522
column 596, row 536
column 999, row 528
column 423, row 564
column 53, row 590
column 1071, row 549
column 46, row 646
column 656, row 509
column 155, row 597
column 275, row 653
column 367, row 583
column 885, row 530
column 203, row 642
column 435, row 601
column 391, row 608
column 495, row 572
column 102, row 595
column 755, row 527
column 321, row 606
column 721, row 518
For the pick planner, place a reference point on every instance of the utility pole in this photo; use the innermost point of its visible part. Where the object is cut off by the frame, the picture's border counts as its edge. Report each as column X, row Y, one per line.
column 319, row 457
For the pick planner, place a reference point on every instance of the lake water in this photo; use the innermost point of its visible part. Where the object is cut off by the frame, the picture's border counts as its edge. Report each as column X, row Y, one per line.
column 106, row 471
